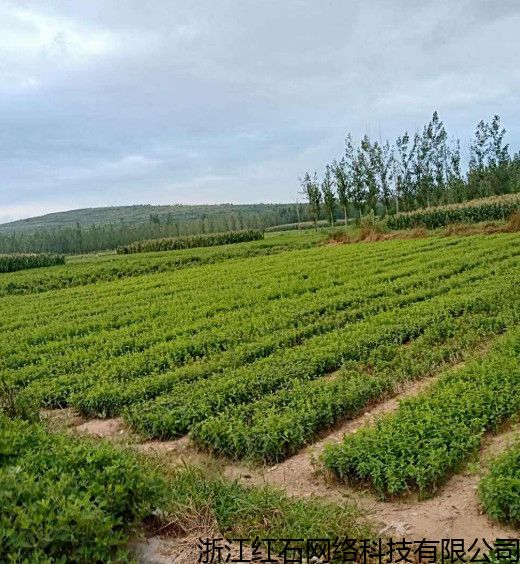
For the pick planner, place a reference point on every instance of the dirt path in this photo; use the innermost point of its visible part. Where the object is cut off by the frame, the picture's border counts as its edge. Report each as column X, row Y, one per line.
column 297, row 474
column 454, row 512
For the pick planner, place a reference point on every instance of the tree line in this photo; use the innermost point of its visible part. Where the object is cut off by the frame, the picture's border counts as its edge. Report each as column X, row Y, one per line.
column 83, row 239
column 415, row 171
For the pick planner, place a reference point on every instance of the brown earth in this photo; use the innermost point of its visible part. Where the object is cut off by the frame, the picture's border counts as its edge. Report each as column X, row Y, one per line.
column 454, row 512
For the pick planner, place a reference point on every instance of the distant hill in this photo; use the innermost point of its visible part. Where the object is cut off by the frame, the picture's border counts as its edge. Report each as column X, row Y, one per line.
column 98, row 229
column 135, row 215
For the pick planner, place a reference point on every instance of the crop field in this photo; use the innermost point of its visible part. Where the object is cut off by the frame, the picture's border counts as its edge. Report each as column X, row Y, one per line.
column 15, row 262
column 258, row 349
column 233, row 351
column 472, row 211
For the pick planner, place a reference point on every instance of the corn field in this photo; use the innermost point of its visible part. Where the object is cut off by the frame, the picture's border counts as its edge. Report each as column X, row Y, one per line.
column 494, row 208
column 191, row 241
column 14, row 262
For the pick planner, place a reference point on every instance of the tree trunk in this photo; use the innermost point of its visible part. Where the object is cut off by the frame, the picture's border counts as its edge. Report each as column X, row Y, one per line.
column 345, row 210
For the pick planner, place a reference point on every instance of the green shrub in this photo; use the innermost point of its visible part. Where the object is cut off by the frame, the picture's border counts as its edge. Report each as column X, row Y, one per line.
column 68, row 500
column 431, row 434
column 499, row 490
column 302, row 225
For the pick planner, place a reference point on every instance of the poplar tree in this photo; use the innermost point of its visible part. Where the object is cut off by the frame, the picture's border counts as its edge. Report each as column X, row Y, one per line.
column 343, row 182
column 329, row 199
column 385, row 164
column 359, row 192
column 311, row 190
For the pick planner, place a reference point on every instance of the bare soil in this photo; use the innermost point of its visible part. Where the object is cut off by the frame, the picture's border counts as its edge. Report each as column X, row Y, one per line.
column 453, row 512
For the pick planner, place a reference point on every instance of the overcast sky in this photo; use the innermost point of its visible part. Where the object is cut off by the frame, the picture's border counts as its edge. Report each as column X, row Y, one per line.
column 114, row 102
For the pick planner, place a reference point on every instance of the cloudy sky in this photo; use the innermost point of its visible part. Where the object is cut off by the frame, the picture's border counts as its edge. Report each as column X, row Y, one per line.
column 113, row 102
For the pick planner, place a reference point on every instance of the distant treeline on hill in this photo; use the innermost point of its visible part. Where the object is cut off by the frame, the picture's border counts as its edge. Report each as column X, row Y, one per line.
column 161, row 222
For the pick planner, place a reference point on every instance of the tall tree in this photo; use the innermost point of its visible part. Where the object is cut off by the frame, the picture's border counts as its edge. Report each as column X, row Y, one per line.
column 343, row 183
column 385, row 165
column 369, row 157
column 478, row 184
column 329, row 198
column 359, row 191
column 479, row 148
column 456, row 185
column 498, row 153
column 403, row 172
column 311, row 190
column 439, row 156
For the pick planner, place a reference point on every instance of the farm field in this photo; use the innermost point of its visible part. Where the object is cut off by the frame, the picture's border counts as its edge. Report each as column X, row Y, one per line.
column 242, row 343
column 249, row 353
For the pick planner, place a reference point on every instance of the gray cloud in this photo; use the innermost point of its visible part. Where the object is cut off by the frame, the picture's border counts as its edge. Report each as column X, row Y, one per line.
column 109, row 102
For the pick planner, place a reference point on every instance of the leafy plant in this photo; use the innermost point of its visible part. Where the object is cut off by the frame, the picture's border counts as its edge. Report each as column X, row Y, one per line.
column 431, row 434
column 69, row 500
column 499, row 490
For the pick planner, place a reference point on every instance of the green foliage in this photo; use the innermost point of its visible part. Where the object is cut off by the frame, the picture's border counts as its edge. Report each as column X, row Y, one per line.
column 234, row 351
column 311, row 190
column 191, row 241
column 422, row 171
column 68, row 500
column 431, row 434
column 474, row 211
column 89, row 269
column 279, row 424
column 98, row 229
column 499, row 490
column 302, row 225
column 14, row 262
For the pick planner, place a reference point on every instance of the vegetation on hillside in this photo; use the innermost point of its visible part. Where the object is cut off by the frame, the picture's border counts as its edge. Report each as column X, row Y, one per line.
column 83, row 231
column 217, row 217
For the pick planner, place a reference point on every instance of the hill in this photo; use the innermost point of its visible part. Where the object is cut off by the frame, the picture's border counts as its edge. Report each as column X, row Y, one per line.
column 138, row 214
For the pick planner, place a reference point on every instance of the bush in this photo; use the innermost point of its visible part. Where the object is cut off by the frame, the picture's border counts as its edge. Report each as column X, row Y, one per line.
column 432, row 433
column 68, row 500
column 14, row 262
column 191, row 241
column 499, row 490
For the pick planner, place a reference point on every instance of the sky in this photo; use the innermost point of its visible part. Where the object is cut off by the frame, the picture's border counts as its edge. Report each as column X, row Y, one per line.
column 120, row 102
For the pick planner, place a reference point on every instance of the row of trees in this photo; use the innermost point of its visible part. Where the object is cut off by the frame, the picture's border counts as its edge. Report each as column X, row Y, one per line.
column 83, row 239
column 413, row 172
